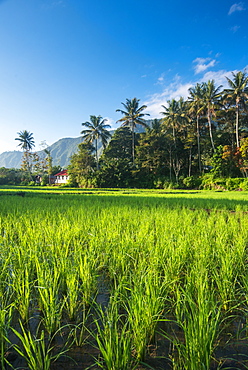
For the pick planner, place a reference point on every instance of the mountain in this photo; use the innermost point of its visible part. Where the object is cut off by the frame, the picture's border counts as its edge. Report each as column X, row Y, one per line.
column 61, row 151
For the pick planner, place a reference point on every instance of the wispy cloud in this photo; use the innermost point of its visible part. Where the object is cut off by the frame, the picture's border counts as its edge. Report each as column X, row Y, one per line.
column 219, row 77
column 54, row 4
column 202, row 64
column 160, row 80
column 177, row 89
column 58, row 3
column 174, row 91
column 113, row 124
column 237, row 7
column 234, row 29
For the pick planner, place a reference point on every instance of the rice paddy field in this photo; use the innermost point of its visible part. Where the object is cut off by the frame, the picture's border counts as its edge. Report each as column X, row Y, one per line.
column 123, row 279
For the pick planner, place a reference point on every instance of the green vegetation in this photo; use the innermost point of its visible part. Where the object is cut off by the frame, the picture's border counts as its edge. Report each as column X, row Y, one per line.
column 123, row 279
column 205, row 134
column 199, row 143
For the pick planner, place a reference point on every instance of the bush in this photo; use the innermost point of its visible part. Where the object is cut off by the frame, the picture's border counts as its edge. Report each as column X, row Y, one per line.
column 244, row 184
column 210, row 182
column 192, row 182
column 233, row 183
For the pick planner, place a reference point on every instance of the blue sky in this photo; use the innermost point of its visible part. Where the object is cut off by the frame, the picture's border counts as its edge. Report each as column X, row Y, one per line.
column 64, row 60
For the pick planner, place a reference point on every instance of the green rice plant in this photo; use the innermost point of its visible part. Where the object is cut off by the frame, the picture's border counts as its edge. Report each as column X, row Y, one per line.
column 147, row 246
column 36, row 350
column 113, row 338
column 145, row 304
column 79, row 332
column 228, row 260
column 48, row 298
column 244, row 299
column 198, row 314
column 5, row 322
column 22, row 287
column 72, row 304
column 86, row 265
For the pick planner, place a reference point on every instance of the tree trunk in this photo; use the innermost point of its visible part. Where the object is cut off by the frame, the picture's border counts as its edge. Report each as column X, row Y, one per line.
column 133, row 143
column 210, row 129
column 190, row 161
column 237, row 124
column 97, row 166
column 198, row 142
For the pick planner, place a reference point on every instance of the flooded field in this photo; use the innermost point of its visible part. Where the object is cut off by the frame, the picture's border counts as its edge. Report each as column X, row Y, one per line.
column 123, row 280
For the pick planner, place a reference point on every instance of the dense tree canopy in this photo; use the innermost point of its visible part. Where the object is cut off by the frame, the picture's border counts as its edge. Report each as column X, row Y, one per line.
column 205, row 133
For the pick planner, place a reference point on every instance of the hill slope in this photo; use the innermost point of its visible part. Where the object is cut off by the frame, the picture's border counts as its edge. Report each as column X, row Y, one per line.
column 61, row 151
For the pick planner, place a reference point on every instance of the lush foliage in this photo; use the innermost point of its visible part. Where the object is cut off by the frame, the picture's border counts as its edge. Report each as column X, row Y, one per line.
column 207, row 133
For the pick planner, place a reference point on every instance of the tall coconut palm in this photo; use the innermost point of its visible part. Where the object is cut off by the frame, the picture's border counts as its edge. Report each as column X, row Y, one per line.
column 26, row 140
column 211, row 100
column 26, row 143
column 175, row 115
column 132, row 116
column 195, row 103
column 96, row 130
column 237, row 94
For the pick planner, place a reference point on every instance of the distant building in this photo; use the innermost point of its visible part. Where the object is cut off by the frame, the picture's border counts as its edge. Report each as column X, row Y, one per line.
column 61, row 177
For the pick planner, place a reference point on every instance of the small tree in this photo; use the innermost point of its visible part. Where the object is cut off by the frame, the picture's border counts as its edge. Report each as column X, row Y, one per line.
column 82, row 166
column 116, row 161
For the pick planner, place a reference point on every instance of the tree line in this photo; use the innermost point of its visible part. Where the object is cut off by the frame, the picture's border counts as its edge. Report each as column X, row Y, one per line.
column 203, row 135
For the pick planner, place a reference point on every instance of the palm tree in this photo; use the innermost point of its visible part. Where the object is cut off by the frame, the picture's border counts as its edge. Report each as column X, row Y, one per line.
column 175, row 115
column 96, row 130
column 132, row 116
column 211, row 99
column 26, row 140
column 26, row 143
column 195, row 102
column 238, row 95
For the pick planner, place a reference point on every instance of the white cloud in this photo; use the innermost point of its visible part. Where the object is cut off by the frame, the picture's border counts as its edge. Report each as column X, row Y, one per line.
column 202, row 64
column 219, row 77
column 177, row 89
column 109, row 121
column 236, row 8
column 160, row 79
column 234, row 29
column 174, row 91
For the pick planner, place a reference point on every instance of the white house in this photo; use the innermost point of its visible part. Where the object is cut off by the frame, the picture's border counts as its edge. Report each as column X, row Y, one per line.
column 61, row 177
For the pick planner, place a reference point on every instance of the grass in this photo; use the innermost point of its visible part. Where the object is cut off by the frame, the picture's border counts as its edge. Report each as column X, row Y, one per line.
column 149, row 258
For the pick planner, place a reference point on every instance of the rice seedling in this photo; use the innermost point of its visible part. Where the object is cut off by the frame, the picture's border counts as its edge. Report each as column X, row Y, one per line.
column 86, row 265
column 113, row 338
column 139, row 254
column 5, row 322
column 48, row 297
column 36, row 350
column 72, row 303
column 22, row 288
column 79, row 332
column 145, row 305
column 199, row 316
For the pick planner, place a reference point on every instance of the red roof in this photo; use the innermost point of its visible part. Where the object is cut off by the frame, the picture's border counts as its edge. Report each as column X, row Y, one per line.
column 62, row 173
